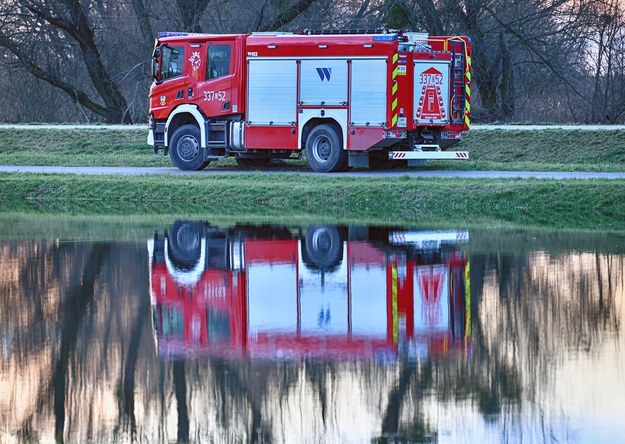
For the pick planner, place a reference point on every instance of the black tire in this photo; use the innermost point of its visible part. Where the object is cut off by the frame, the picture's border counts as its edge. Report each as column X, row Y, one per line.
column 184, row 243
column 324, row 149
column 323, row 247
column 252, row 162
column 185, row 150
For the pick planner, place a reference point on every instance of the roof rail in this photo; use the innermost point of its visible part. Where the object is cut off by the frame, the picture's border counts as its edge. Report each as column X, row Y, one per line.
column 348, row 31
column 271, row 33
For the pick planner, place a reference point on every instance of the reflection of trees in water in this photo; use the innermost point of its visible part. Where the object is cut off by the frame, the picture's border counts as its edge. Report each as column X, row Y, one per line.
column 66, row 334
column 418, row 429
column 76, row 326
column 531, row 312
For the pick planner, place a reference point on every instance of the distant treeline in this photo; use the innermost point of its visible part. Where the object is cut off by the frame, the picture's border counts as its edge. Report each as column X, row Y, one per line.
column 533, row 60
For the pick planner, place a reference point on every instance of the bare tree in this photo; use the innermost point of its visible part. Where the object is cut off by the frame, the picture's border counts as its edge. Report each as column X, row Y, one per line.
column 536, row 60
column 607, row 44
column 67, row 21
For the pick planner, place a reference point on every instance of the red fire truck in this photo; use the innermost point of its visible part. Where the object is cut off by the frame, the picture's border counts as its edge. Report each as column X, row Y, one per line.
column 326, row 292
column 344, row 99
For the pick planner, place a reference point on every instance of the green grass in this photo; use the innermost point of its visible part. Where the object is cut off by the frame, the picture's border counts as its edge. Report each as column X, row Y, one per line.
column 595, row 204
column 81, row 147
column 552, row 149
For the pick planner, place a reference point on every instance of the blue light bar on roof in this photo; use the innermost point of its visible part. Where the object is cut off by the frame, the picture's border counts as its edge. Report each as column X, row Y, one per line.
column 171, row 34
column 385, row 38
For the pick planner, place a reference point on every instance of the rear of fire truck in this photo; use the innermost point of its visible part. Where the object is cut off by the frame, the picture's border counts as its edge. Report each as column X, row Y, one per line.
column 435, row 74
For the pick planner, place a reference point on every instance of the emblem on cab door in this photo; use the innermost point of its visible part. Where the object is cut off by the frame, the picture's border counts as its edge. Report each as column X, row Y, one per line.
column 195, row 60
column 163, row 100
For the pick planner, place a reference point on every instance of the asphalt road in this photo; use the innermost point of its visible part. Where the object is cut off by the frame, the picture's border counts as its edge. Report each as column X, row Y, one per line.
column 138, row 171
column 473, row 127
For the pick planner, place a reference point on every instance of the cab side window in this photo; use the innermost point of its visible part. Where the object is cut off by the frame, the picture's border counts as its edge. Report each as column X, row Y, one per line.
column 173, row 57
column 218, row 61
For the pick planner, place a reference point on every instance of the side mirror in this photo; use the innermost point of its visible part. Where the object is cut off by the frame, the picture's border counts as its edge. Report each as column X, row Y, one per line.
column 156, row 60
column 155, row 70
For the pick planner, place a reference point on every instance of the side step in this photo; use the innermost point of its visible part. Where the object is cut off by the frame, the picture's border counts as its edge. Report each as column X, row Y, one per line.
column 217, row 135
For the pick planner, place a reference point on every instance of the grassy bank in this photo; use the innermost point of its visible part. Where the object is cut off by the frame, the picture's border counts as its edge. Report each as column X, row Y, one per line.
column 545, row 150
column 80, row 147
column 138, row 229
column 596, row 204
column 292, row 197
column 553, row 149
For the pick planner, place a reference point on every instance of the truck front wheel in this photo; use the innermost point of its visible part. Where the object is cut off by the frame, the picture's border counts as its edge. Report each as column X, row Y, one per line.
column 324, row 149
column 185, row 149
column 184, row 244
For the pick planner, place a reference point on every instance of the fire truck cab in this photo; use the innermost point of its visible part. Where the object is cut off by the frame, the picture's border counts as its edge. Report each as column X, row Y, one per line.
column 343, row 99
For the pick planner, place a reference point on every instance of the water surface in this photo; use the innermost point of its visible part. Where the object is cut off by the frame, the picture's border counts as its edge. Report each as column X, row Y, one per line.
column 189, row 331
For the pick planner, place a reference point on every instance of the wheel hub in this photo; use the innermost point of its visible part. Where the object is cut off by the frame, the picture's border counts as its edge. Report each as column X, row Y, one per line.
column 188, row 148
column 321, row 241
column 322, row 149
column 188, row 238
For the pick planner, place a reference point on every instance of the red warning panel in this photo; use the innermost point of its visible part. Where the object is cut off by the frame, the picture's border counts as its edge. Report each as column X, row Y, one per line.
column 431, row 299
column 431, row 92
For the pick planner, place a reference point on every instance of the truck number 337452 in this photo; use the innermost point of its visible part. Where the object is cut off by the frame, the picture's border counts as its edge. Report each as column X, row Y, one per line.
column 215, row 95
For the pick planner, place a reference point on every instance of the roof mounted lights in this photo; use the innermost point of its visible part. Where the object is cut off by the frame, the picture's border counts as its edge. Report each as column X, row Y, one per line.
column 385, row 38
column 163, row 34
column 172, row 34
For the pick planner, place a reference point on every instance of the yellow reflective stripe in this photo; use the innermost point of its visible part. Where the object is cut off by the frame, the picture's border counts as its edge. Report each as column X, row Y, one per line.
column 468, row 75
column 394, row 105
column 468, row 90
column 467, row 106
column 394, row 120
column 469, row 60
column 395, row 86
column 395, row 58
column 467, row 300
column 395, row 72
column 467, row 122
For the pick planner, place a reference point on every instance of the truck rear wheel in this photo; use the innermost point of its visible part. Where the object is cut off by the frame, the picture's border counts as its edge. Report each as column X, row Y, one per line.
column 185, row 150
column 324, row 149
column 323, row 247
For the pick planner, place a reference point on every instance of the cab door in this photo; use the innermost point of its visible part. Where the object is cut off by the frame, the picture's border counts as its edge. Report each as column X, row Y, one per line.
column 214, row 95
column 171, row 77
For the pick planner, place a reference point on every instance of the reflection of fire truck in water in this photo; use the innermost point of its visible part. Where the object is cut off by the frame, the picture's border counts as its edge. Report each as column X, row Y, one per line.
column 325, row 292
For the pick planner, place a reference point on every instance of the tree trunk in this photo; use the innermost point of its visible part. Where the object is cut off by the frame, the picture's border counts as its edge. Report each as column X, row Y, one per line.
column 144, row 22
column 115, row 109
column 506, row 87
column 190, row 13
